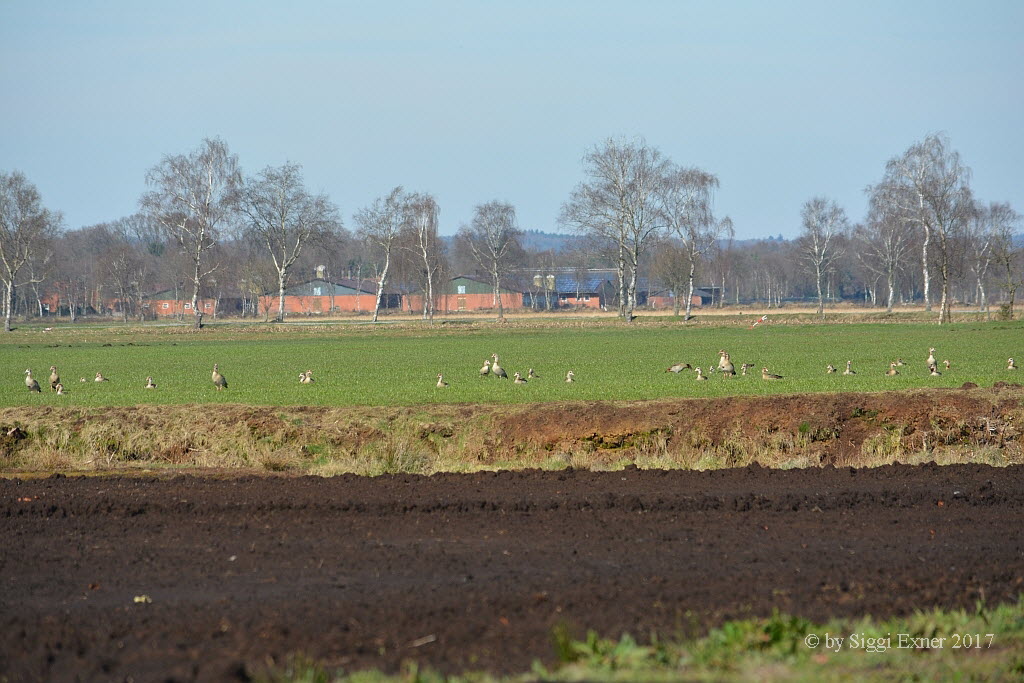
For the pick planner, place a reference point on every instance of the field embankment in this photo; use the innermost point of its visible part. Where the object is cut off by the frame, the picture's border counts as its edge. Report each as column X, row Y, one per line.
column 969, row 424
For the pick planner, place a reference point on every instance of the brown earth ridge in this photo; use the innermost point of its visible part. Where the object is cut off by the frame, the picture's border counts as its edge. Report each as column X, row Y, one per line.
column 860, row 429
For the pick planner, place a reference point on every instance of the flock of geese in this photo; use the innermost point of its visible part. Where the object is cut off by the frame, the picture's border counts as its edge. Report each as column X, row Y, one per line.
column 725, row 368
column 493, row 368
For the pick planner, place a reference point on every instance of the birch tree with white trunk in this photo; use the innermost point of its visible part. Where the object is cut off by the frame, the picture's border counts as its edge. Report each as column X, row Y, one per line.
column 379, row 226
column 25, row 226
column 686, row 199
column 285, row 217
column 824, row 222
column 493, row 239
column 194, row 199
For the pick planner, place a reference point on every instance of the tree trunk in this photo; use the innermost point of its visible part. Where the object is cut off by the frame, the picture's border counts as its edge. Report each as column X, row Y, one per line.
column 8, row 304
column 892, row 292
column 689, row 290
column 497, row 291
column 924, row 267
column 621, row 271
column 380, row 284
column 821, row 300
column 281, row 275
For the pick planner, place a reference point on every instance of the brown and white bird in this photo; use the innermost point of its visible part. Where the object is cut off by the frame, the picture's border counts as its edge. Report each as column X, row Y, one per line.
column 1010, row 365
column 849, row 370
column 81, row 379
column 745, row 367
column 570, row 376
column 727, row 368
column 830, row 369
column 149, row 383
column 59, row 389
column 767, row 375
column 218, row 379
column 934, row 371
column 517, row 378
column 486, row 369
column 31, row 383
column 723, row 358
column 54, row 378
column 946, row 363
column 678, row 367
column 701, row 377
column 532, row 375
column 900, row 362
column 497, row 369
column 441, row 384
column 306, row 377
column 100, row 378
column 931, row 356
column 892, row 371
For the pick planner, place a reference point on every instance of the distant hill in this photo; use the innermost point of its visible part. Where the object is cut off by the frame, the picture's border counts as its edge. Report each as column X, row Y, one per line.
column 535, row 240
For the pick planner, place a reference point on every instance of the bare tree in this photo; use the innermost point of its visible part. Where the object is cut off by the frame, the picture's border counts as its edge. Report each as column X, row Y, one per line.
column 1005, row 222
column 884, row 243
column 421, row 222
column 194, row 198
column 284, row 216
column 686, row 196
column 493, row 239
column 823, row 223
column 24, row 227
column 618, row 202
column 981, row 236
column 380, row 225
column 929, row 188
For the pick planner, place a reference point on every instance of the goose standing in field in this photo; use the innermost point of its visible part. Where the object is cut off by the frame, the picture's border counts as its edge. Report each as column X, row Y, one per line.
column 54, row 378
column 678, row 367
column 100, row 378
column 946, row 363
column 892, row 371
column 570, row 376
column 31, row 383
column 723, row 358
column 931, row 356
column 767, row 375
column 59, row 389
column 497, row 369
column 219, row 380
column 849, row 370
column 1010, row 365
column 149, row 383
column 728, row 368
column 517, row 378
column 532, row 375
column 830, row 369
column 441, row 384
column 701, row 377
column 745, row 367
column 486, row 369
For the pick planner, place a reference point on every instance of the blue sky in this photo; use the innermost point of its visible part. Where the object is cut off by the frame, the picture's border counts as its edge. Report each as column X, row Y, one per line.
column 476, row 101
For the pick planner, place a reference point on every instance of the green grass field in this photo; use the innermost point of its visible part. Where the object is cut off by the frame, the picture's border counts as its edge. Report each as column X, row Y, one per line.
column 388, row 366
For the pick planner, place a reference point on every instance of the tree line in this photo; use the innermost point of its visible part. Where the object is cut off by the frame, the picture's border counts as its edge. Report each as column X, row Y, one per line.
column 205, row 229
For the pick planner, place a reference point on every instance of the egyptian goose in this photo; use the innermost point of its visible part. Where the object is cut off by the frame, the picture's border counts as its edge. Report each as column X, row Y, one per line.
column 931, row 356
column 59, row 389
column 678, row 367
column 486, row 369
column 497, row 369
column 767, row 375
column 934, row 371
column 100, row 378
column 1010, row 365
column 830, row 369
column 31, row 383
column 149, row 383
column 570, row 376
column 849, row 370
column 892, row 371
column 728, row 368
column 532, row 375
column 441, row 384
column 54, row 378
column 946, row 363
column 517, row 378
column 218, row 379
column 306, row 377
column 701, row 377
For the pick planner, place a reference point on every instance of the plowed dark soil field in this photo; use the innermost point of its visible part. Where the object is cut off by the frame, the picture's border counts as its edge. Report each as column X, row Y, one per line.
column 218, row 578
